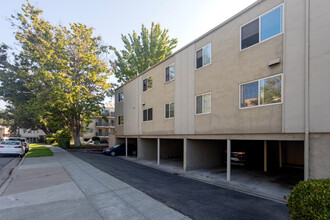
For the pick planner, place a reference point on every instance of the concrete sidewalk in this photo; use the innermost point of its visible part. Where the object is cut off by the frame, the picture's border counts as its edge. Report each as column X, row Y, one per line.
column 65, row 187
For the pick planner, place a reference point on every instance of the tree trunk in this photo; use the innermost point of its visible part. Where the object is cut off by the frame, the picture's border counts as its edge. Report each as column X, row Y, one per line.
column 76, row 138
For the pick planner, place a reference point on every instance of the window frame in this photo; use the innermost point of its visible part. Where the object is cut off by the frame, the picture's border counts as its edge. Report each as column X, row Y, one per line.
column 259, row 18
column 147, row 78
column 147, row 115
column 169, row 110
column 119, row 96
column 203, row 65
column 203, row 103
column 258, row 80
column 118, row 120
column 165, row 73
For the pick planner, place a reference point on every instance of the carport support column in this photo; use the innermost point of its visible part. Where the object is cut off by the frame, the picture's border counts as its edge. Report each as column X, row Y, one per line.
column 280, row 153
column 126, row 154
column 158, row 151
column 228, row 159
column 265, row 156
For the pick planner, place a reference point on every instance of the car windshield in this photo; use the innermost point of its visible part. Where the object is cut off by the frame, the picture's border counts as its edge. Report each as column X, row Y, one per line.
column 10, row 142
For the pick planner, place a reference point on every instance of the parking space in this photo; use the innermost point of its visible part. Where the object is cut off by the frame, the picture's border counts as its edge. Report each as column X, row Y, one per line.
column 205, row 154
column 171, row 152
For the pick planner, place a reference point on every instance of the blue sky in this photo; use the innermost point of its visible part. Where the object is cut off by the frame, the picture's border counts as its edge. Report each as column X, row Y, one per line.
column 185, row 19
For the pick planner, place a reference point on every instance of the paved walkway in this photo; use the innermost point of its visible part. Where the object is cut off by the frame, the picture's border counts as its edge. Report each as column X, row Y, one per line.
column 65, row 187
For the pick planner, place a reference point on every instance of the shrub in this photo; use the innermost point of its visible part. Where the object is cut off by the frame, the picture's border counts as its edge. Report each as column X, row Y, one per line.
column 64, row 142
column 310, row 200
column 64, row 133
column 95, row 138
column 50, row 140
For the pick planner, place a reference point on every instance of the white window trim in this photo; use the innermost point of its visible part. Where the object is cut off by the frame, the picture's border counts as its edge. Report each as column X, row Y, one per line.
column 259, row 18
column 147, row 115
column 203, row 56
column 258, row 80
column 169, row 114
column 118, row 120
column 147, row 84
column 118, row 97
column 203, row 104
column 165, row 73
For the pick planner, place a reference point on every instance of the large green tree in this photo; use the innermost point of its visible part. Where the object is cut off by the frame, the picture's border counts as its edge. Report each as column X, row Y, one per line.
column 142, row 51
column 62, row 70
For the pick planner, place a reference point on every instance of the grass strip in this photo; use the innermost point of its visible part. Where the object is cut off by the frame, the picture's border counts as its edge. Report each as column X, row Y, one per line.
column 38, row 150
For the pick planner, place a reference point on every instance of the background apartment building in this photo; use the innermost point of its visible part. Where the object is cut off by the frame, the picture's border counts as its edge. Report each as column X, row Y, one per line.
column 105, row 129
column 4, row 131
column 32, row 136
column 257, row 84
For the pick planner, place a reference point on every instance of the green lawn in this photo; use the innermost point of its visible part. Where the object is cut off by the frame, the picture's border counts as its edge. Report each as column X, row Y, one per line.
column 38, row 150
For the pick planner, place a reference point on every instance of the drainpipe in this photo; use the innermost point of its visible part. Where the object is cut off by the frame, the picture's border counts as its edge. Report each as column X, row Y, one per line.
column 307, row 45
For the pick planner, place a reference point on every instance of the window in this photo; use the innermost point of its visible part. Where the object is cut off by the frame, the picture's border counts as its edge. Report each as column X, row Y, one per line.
column 147, row 83
column 120, row 120
column 120, row 97
column 169, row 73
column 90, row 130
column 203, row 103
column 262, row 92
column 203, row 56
column 147, row 114
column 169, row 110
column 262, row 28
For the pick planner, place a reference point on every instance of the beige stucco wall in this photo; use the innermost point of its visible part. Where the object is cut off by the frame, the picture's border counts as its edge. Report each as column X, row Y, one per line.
column 319, row 66
column 319, row 156
column 229, row 68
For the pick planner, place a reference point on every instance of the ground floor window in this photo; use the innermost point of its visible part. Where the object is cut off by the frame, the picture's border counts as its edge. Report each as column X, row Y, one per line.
column 264, row 91
column 203, row 103
column 147, row 114
column 169, row 110
column 121, row 120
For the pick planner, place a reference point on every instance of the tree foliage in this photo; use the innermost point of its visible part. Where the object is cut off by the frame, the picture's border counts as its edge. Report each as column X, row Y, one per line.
column 58, row 77
column 142, row 51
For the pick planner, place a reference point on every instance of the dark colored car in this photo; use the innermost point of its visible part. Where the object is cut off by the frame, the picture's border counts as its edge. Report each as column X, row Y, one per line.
column 104, row 141
column 119, row 150
column 239, row 158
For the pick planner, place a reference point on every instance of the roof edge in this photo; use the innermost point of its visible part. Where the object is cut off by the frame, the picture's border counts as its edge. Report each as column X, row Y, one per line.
column 197, row 39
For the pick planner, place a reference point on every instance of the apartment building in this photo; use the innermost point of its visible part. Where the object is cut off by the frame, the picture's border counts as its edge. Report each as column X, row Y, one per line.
column 4, row 131
column 255, row 85
column 31, row 135
column 105, row 129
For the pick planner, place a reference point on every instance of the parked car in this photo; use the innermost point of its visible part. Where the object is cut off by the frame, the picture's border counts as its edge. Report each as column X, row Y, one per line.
column 238, row 158
column 104, row 141
column 119, row 149
column 23, row 141
column 12, row 147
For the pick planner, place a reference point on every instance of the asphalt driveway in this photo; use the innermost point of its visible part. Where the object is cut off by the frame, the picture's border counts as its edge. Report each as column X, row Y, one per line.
column 192, row 198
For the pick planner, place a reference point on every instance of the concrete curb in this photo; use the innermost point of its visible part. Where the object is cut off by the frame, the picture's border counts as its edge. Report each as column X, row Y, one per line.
column 10, row 178
column 226, row 186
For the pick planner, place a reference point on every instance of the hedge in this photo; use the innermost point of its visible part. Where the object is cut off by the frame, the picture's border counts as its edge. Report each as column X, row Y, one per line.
column 64, row 142
column 50, row 140
column 310, row 200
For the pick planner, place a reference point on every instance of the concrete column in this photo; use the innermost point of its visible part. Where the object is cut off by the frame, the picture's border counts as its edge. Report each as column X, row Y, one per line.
column 265, row 156
column 126, row 153
column 228, row 159
column 158, row 151
column 185, row 154
column 138, row 147
column 280, row 153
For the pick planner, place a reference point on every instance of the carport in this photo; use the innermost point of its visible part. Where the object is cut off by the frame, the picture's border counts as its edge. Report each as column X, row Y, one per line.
column 128, row 141
column 268, row 165
column 147, row 149
column 170, row 152
column 205, row 154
